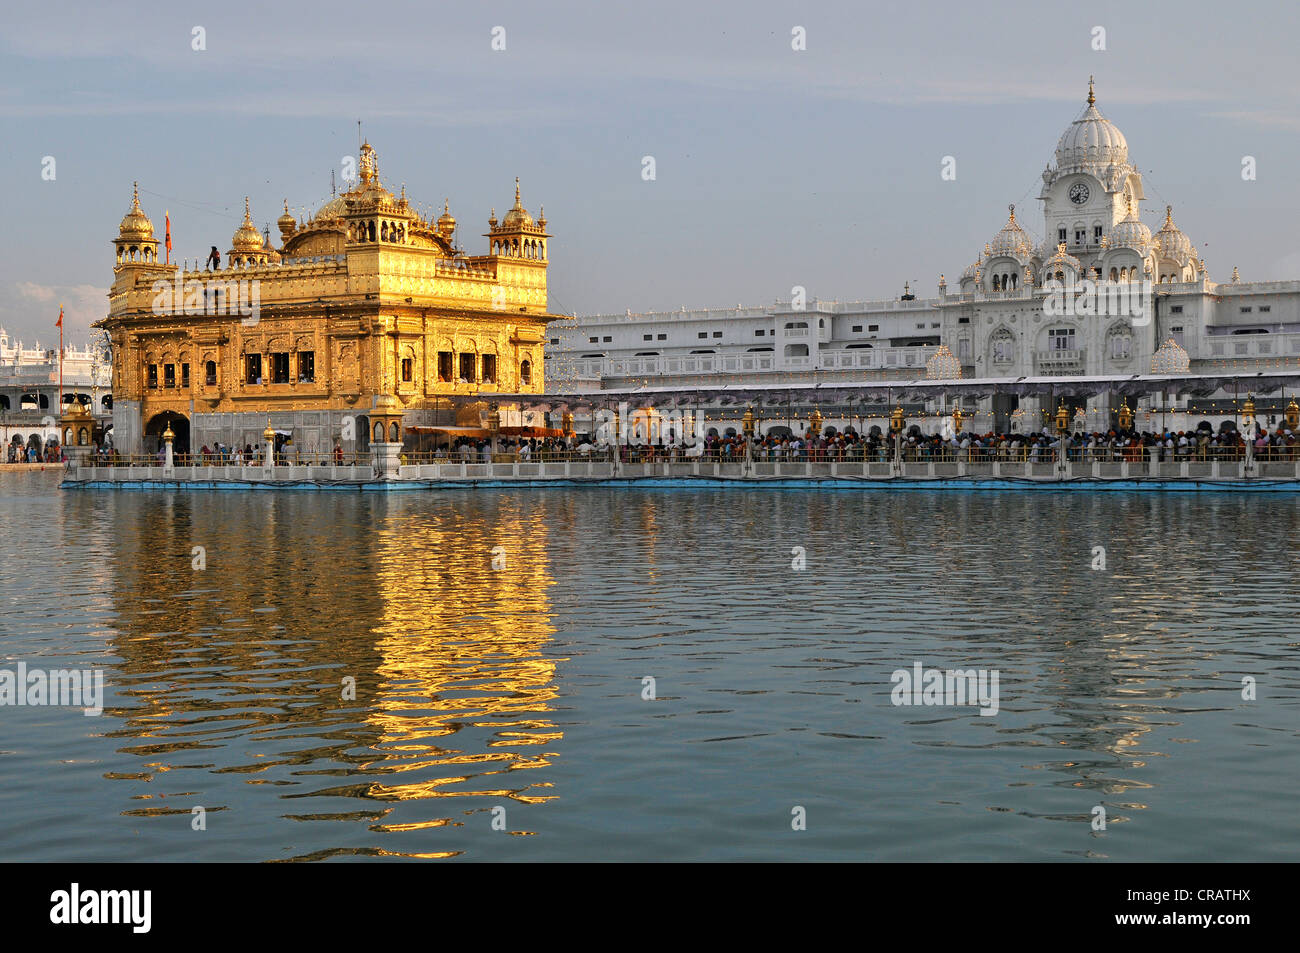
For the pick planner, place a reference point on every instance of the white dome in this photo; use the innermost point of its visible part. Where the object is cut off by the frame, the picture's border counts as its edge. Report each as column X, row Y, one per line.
column 1130, row 233
column 970, row 271
column 1173, row 243
column 943, row 365
column 1092, row 139
column 1011, row 240
column 1170, row 358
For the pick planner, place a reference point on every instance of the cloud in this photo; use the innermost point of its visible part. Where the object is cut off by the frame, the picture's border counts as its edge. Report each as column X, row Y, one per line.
column 1262, row 118
column 36, row 308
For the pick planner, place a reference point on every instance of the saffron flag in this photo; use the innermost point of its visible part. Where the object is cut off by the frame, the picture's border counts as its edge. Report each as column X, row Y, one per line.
column 167, row 215
column 59, row 323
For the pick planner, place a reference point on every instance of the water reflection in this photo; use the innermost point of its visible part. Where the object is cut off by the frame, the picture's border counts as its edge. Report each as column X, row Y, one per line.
column 521, row 687
column 245, row 667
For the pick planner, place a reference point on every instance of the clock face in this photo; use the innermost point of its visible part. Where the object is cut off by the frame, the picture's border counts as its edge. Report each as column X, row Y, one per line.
column 1078, row 193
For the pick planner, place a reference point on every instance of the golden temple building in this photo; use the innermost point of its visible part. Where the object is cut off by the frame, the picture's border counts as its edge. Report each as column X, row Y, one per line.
column 365, row 305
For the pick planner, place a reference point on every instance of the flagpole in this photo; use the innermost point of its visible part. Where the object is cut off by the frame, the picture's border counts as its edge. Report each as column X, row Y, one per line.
column 60, row 359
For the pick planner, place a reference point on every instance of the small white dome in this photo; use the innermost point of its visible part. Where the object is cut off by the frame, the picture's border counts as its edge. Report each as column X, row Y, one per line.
column 1131, row 233
column 943, row 365
column 1170, row 358
column 1011, row 240
column 1173, row 243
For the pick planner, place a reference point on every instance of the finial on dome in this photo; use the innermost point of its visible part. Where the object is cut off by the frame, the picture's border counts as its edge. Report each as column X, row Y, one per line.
column 1091, row 98
column 1169, row 216
column 248, row 218
column 446, row 205
column 517, row 205
column 135, row 194
column 1012, row 209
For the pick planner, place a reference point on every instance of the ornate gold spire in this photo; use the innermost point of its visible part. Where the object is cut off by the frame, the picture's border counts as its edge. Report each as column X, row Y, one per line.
column 135, row 224
column 1169, row 216
column 446, row 221
column 246, row 237
column 518, row 215
column 1012, row 209
column 369, row 164
column 1091, row 98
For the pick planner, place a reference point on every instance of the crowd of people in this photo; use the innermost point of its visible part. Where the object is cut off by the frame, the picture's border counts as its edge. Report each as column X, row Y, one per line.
column 1131, row 446
column 27, row 453
column 1201, row 444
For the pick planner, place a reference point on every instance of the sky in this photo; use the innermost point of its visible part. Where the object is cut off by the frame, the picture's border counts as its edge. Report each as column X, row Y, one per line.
column 773, row 167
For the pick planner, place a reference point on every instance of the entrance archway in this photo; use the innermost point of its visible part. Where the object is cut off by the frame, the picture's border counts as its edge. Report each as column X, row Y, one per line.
column 180, row 425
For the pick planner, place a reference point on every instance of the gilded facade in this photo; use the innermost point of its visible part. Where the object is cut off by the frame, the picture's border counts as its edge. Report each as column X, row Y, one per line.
column 364, row 303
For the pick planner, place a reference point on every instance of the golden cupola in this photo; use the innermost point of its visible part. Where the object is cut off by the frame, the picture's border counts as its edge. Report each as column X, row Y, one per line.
column 135, row 224
column 135, row 241
column 286, row 223
column 518, row 236
column 518, row 215
column 446, row 221
column 246, row 238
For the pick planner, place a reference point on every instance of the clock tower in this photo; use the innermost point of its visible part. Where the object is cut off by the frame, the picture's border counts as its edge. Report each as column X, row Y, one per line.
column 1089, row 188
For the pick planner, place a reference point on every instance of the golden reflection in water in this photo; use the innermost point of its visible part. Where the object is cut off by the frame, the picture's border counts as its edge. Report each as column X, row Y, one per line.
column 465, row 620
column 234, row 670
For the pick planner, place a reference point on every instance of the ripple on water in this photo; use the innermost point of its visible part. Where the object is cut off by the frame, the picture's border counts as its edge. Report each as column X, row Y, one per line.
column 649, row 675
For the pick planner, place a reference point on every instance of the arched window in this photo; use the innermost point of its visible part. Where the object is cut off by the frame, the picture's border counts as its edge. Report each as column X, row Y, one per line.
column 1014, row 281
column 526, row 371
column 394, row 433
column 210, row 373
column 379, row 432
column 997, row 282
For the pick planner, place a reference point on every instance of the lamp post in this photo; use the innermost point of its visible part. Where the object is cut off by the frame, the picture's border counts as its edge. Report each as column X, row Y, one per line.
column 1062, row 428
column 1293, row 415
column 1248, row 421
column 896, row 424
column 747, row 426
column 268, row 438
column 1125, row 415
column 168, row 459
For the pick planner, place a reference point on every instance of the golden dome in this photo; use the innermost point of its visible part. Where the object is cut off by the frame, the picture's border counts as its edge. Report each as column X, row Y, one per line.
column 336, row 207
column 285, row 220
column 136, row 224
column 446, row 221
column 247, row 237
column 518, row 215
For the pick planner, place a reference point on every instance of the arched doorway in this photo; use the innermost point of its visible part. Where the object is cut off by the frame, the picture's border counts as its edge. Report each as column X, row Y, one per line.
column 153, row 432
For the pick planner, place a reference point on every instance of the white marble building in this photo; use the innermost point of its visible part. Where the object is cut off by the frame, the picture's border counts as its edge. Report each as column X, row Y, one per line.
column 29, row 388
column 996, row 318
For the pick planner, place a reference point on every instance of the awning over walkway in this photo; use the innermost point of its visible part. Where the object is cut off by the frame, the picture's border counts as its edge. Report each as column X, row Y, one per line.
column 878, row 391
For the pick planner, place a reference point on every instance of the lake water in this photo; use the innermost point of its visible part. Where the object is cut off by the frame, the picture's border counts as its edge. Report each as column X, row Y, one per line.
column 503, row 713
